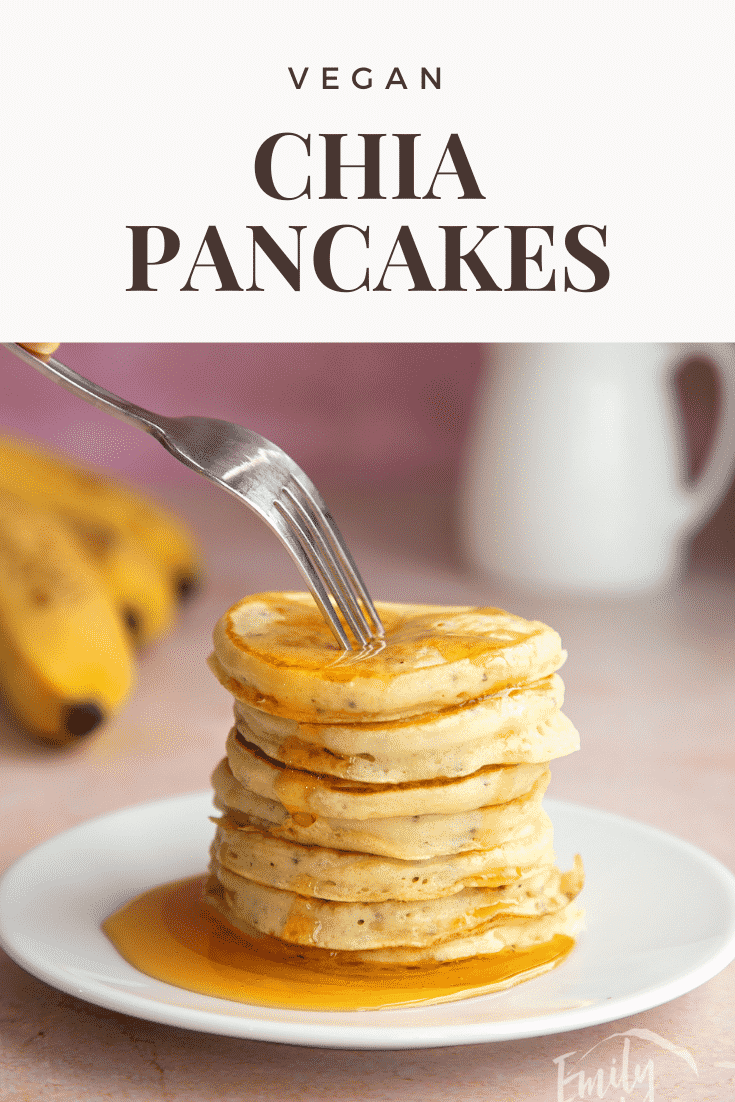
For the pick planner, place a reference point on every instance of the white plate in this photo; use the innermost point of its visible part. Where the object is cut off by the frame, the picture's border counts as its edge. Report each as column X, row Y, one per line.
column 660, row 921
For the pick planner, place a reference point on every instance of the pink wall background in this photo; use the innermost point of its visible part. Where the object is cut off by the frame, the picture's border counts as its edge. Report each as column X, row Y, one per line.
column 355, row 415
column 349, row 414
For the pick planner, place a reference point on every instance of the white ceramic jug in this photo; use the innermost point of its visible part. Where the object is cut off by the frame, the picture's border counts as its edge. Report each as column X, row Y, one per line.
column 574, row 471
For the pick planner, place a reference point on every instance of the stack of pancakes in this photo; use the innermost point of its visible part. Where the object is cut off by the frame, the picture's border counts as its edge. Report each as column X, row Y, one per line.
column 386, row 806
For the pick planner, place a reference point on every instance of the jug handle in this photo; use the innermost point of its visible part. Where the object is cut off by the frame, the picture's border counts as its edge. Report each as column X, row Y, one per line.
column 702, row 499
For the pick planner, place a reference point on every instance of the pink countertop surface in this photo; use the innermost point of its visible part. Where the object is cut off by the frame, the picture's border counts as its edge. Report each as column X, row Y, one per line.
column 650, row 686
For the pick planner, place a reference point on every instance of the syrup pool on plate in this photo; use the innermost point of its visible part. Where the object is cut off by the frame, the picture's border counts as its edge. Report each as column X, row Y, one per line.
column 170, row 934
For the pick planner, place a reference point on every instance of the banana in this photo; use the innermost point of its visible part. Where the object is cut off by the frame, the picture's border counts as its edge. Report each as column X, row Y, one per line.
column 65, row 663
column 135, row 582
column 110, row 512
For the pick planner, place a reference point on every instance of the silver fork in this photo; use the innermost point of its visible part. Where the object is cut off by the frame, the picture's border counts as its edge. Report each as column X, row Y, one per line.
column 266, row 479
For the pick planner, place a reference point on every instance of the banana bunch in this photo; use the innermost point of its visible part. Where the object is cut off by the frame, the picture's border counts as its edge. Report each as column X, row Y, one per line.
column 89, row 570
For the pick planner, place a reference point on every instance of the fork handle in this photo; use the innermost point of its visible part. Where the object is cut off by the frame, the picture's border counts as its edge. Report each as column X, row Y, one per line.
column 91, row 392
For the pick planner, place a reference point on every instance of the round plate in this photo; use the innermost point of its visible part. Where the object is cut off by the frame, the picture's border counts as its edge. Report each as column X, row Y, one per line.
column 660, row 921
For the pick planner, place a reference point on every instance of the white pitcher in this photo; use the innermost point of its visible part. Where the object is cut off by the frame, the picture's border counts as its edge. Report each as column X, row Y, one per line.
column 574, row 471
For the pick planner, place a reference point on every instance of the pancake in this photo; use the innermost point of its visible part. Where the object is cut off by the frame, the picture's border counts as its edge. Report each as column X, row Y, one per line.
column 514, row 934
column 492, row 716
column 389, row 924
column 358, row 877
column 334, row 797
column 499, row 827
column 276, row 652
column 513, row 726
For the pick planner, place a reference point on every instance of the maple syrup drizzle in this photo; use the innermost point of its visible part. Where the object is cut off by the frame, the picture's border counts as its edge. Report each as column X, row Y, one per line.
column 169, row 933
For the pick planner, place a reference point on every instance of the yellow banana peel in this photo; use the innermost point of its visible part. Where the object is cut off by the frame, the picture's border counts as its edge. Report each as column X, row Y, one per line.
column 65, row 662
column 111, row 514
column 134, row 580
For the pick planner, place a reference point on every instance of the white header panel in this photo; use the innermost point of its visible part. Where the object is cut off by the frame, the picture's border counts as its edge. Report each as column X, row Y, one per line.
column 618, row 118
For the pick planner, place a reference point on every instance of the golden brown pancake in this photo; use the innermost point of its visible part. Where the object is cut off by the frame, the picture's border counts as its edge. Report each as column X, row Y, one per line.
column 276, row 652
column 414, row 924
column 353, row 877
column 334, row 797
column 512, row 726
column 502, row 828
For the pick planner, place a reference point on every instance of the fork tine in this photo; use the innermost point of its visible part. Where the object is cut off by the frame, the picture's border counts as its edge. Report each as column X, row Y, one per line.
column 333, row 540
column 344, row 592
column 353, row 573
column 282, row 528
column 323, row 561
